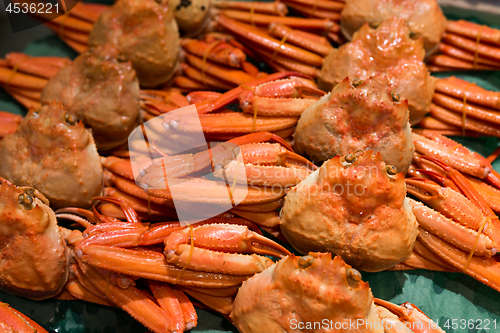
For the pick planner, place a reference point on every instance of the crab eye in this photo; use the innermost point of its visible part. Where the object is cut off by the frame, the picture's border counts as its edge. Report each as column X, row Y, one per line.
column 121, row 58
column 70, row 119
column 353, row 276
column 391, row 170
column 306, row 261
column 26, row 201
column 357, row 83
column 395, row 96
column 350, row 158
column 374, row 25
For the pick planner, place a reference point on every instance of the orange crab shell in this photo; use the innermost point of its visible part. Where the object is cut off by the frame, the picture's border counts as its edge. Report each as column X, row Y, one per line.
column 145, row 33
column 298, row 290
column 388, row 50
column 54, row 154
column 424, row 17
column 101, row 91
column 357, row 211
column 33, row 255
column 363, row 117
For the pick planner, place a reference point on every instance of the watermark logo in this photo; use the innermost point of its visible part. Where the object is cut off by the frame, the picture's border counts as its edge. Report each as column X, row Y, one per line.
column 26, row 14
column 202, row 179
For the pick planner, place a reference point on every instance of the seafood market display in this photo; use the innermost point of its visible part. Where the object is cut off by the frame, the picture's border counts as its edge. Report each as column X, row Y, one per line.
column 320, row 119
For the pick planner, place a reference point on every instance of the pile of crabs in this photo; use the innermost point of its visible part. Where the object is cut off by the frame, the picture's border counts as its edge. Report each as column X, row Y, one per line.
column 322, row 147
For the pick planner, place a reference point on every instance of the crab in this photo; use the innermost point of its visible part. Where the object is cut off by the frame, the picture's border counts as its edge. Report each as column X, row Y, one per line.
column 354, row 206
column 316, row 293
column 52, row 152
column 424, row 18
column 358, row 116
column 388, row 50
column 34, row 256
column 152, row 44
column 101, row 91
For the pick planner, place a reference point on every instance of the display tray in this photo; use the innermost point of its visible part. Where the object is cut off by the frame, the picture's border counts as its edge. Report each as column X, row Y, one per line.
column 448, row 298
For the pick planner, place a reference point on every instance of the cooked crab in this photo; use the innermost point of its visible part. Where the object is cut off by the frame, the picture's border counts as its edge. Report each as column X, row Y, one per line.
column 358, row 116
column 101, row 91
column 355, row 207
column 388, row 50
column 52, row 152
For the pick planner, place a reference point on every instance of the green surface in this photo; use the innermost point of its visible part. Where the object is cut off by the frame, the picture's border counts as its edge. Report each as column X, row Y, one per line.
column 442, row 296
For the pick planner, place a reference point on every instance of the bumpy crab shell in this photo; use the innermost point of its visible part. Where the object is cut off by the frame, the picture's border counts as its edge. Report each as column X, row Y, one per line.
column 388, row 50
column 101, row 91
column 366, row 116
column 354, row 207
column 424, row 17
column 55, row 154
column 33, row 255
column 299, row 290
column 145, row 33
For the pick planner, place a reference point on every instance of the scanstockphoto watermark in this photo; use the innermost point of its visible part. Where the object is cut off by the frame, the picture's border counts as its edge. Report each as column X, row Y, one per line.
column 359, row 324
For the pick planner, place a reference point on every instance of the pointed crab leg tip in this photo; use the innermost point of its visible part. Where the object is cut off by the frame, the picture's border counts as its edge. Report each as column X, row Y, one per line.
column 266, row 246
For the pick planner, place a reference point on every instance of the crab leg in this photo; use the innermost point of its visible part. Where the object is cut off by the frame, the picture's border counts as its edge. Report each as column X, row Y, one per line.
column 265, row 219
column 446, row 201
column 307, row 10
column 418, row 262
column 283, row 63
column 206, row 79
column 455, row 52
column 444, row 62
column 429, row 122
column 232, row 95
column 14, row 321
column 218, row 247
column 486, row 270
column 11, row 78
column 471, row 45
column 221, row 304
column 134, row 301
column 273, row 8
column 306, row 40
column 470, row 124
column 409, row 313
column 473, row 31
column 218, row 51
column 262, row 38
column 452, row 232
column 151, row 265
column 168, row 301
column 78, row 291
column 310, row 24
column 224, row 73
column 459, row 88
column 331, row 5
column 457, row 156
column 457, row 106
column 32, row 65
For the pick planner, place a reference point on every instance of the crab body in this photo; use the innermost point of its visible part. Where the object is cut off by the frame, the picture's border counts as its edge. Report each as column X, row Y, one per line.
column 33, row 255
column 354, row 207
column 101, row 91
column 55, row 154
column 145, row 33
column 388, row 50
column 361, row 117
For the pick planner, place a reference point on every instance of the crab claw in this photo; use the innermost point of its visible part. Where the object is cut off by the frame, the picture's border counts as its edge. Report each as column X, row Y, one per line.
column 217, row 247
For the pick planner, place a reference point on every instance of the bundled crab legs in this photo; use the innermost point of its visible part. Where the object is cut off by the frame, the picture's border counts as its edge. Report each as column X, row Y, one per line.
column 462, row 108
column 467, row 46
column 270, row 168
column 459, row 231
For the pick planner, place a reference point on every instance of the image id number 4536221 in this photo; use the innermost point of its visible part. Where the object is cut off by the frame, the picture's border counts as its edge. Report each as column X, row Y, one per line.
column 462, row 324
column 30, row 7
